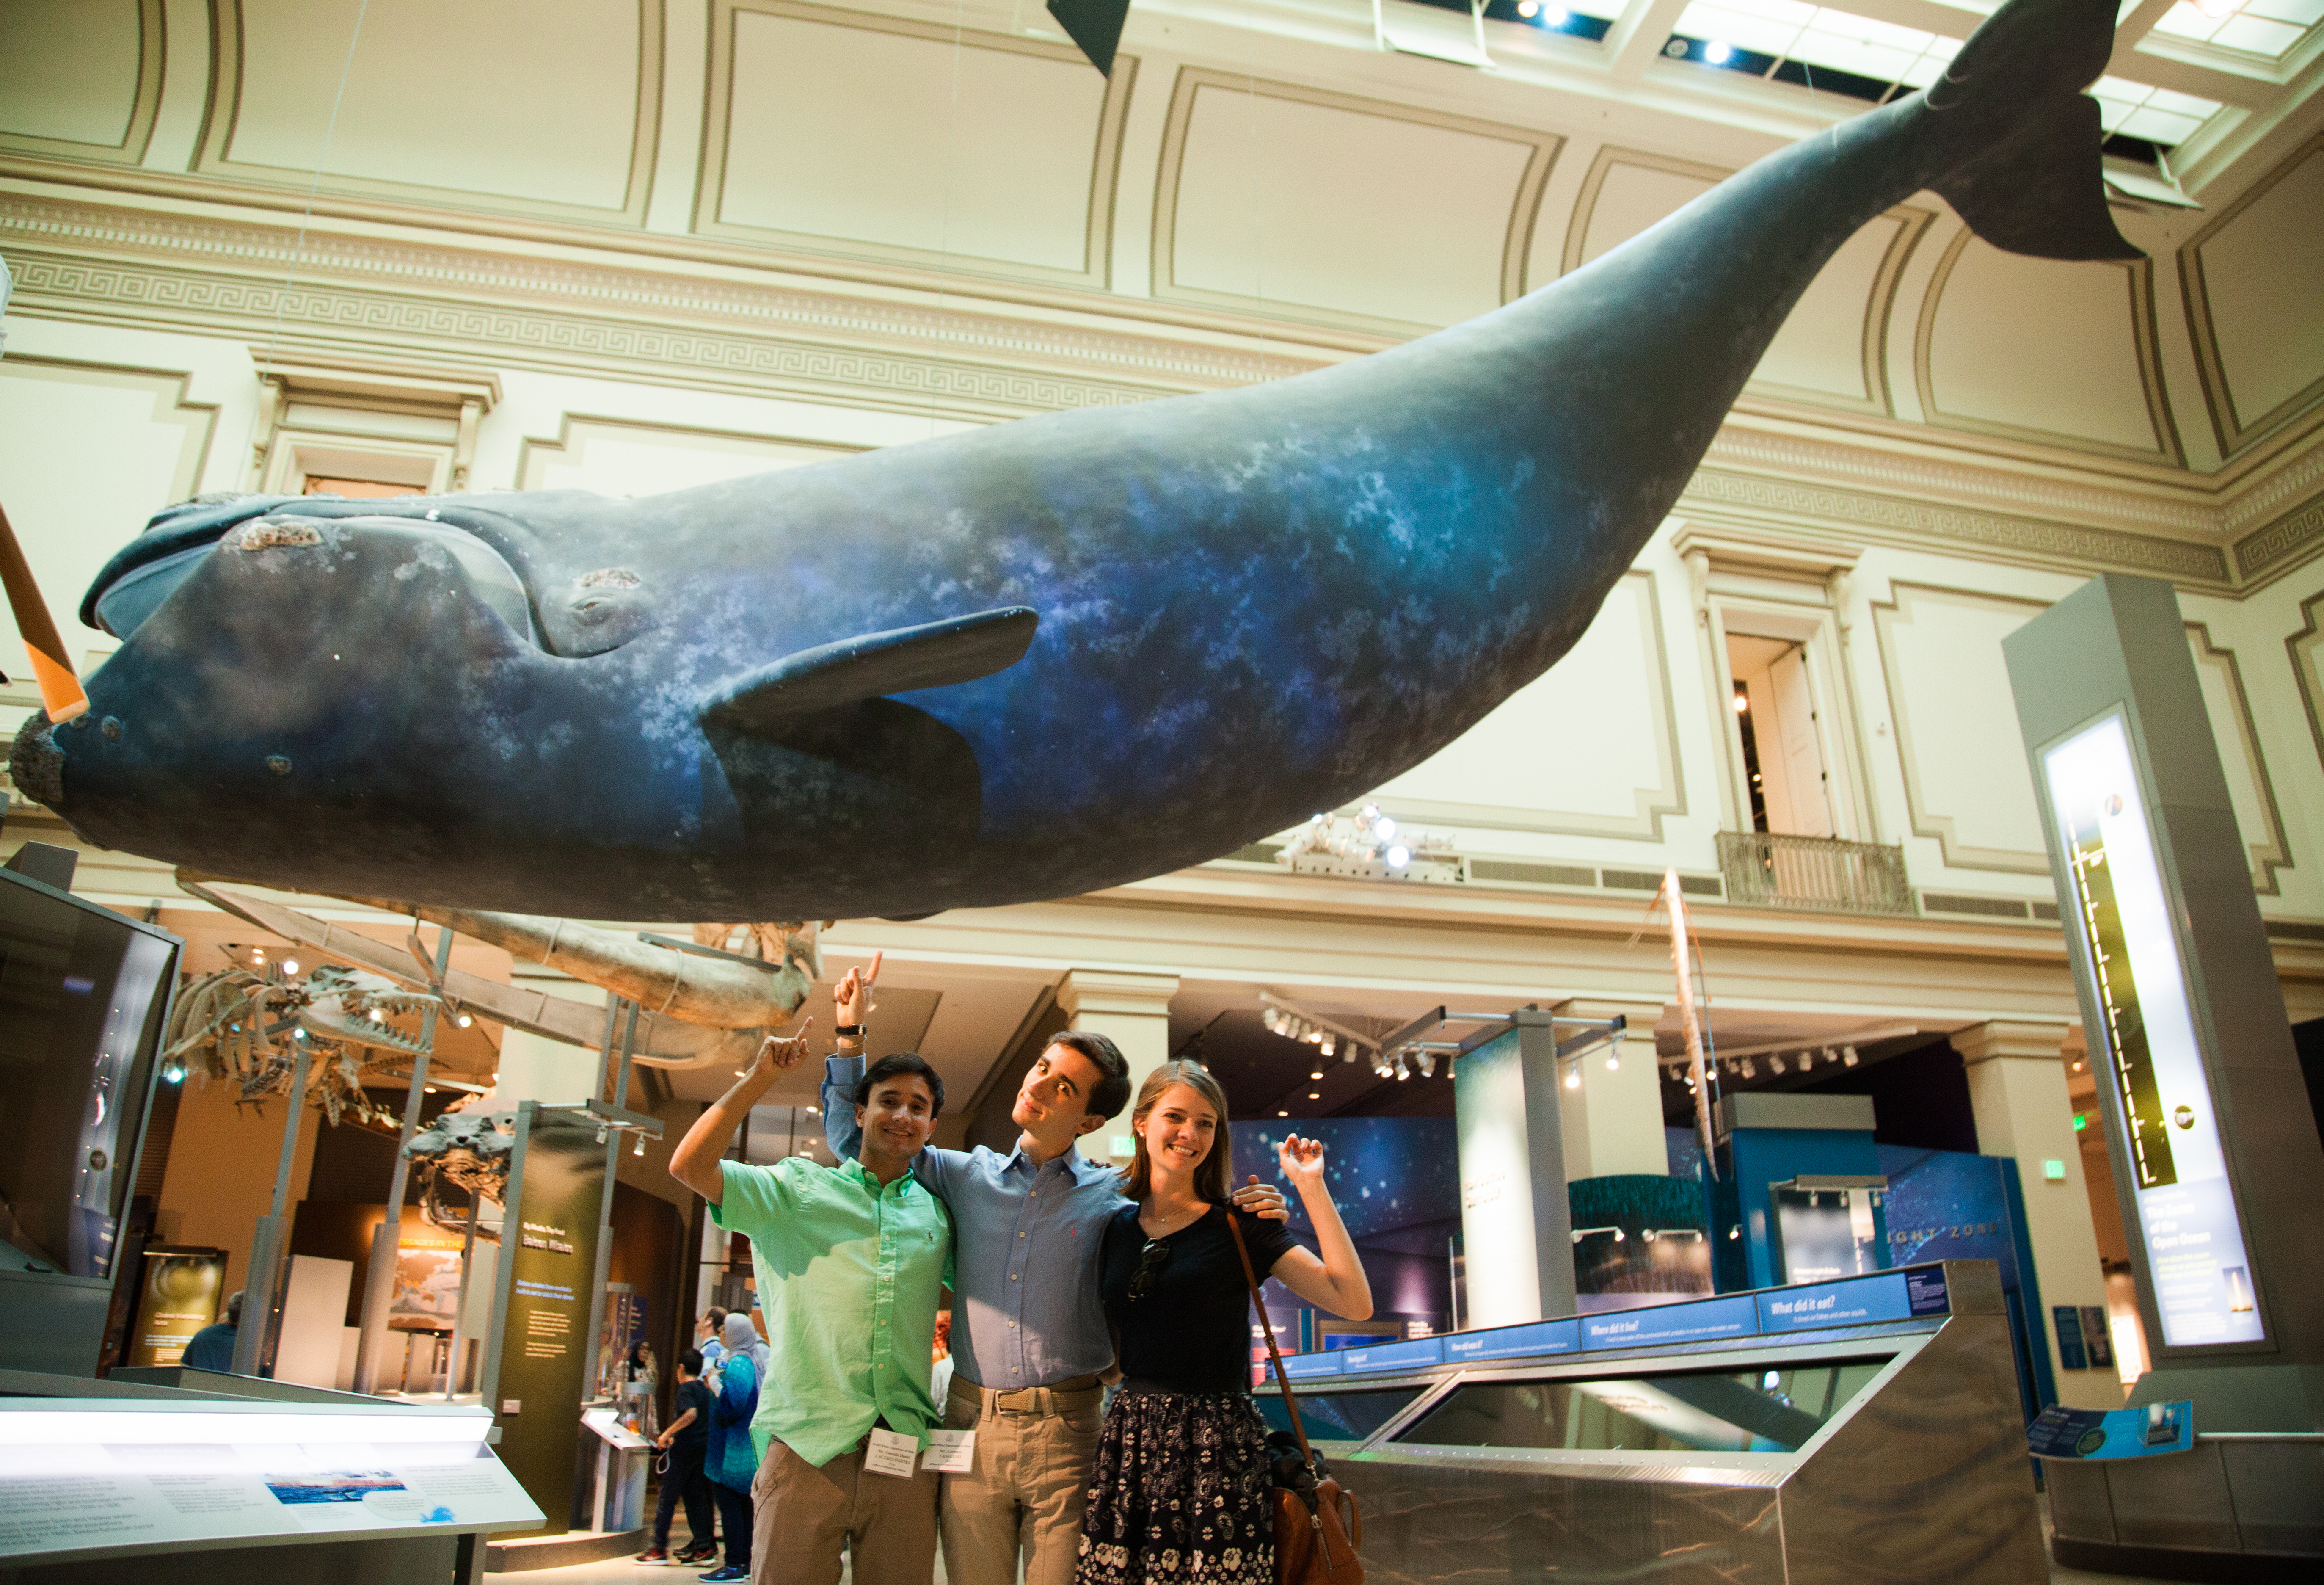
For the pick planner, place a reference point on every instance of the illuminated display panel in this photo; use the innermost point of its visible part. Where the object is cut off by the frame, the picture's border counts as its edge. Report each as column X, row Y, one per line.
column 2169, row 1137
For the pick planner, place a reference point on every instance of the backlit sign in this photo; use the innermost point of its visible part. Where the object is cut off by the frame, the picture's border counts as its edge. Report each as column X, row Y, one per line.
column 2167, row 1128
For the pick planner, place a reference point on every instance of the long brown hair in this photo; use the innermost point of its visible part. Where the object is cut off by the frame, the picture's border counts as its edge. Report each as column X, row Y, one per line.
column 1214, row 1173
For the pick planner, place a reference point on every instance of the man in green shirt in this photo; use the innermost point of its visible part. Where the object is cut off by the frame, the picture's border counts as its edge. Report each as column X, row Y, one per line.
column 851, row 1261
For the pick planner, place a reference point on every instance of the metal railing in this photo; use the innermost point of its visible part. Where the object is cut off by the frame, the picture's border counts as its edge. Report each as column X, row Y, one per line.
column 1767, row 869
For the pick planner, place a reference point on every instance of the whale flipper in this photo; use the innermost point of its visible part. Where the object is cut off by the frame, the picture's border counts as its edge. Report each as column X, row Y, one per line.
column 850, row 671
column 2037, row 191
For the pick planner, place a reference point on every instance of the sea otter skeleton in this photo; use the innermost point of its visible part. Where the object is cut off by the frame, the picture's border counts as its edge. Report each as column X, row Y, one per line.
column 1036, row 660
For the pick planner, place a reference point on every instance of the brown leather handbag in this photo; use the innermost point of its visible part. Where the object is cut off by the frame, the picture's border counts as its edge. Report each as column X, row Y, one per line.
column 1316, row 1526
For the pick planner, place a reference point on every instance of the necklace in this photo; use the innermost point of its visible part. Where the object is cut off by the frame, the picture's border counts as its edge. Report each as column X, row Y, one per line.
column 1162, row 1222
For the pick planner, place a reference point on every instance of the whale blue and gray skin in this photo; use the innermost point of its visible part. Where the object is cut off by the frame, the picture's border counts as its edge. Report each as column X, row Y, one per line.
column 1032, row 661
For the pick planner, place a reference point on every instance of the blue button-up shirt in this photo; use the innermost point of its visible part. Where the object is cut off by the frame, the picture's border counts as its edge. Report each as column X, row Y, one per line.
column 1025, row 1250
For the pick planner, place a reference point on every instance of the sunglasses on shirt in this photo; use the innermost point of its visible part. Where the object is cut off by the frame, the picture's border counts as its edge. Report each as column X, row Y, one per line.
column 1150, row 1261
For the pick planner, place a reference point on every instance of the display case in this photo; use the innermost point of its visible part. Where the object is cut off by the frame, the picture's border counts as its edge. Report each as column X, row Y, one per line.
column 1862, row 1429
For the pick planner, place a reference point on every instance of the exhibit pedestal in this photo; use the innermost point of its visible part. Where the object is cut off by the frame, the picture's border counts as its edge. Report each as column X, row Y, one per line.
column 523, row 1555
column 2240, row 1507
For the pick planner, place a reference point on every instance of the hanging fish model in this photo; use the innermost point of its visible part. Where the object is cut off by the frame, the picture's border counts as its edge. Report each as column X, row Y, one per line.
column 1032, row 661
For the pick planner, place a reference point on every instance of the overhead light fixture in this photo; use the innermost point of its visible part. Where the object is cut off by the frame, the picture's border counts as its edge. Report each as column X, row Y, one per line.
column 463, row 1021
column 1613, row 1061
column 1574, row 1077
column 1742, row 703
column 1717, row 53
column 1282, row 1114
column 290, row 965
column 1318, row 1073
column 1528, row 9
column 1749, row 1071
column 378, row 1014
column 1314, row 1095
column 640, row 1149
column 1848, row 1056
column 1775, row 1061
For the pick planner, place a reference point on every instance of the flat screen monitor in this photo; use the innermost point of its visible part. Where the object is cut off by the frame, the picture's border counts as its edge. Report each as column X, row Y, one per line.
column 84, row 995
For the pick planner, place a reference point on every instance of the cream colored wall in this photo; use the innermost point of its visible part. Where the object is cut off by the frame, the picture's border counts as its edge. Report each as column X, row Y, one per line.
column 221, row 1176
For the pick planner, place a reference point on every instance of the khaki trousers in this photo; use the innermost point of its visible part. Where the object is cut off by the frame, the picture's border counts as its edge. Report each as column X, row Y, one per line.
column 1024, row 1500
column 804, row 1515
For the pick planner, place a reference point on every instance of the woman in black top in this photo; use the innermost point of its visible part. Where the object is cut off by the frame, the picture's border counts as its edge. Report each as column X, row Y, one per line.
column 1179, row 1493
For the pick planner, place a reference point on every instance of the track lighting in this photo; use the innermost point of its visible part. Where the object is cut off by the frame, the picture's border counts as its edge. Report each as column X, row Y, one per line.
column 1848, row 1055
column 1775, row 1061
column 1574, row 1077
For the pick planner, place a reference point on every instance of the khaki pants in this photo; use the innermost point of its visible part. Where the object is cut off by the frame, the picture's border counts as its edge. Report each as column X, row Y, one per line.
column 1034, row 1451
column 804, row 1515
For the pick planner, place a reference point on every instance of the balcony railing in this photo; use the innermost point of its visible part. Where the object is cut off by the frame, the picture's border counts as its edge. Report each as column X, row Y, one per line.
column 1772, row 870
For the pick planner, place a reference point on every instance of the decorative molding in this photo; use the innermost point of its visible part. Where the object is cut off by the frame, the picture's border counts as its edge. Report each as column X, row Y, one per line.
column 212, row 157
column 2306, row 648
column 1650, row 805
column 1913, row 524
column 273, row 253
column 2275, row 852
column 169, row 389
column 1524, row 202
column 2284, row 546
column 2226, row 421
column 696, row 357
column 152, row 54
column 575, row 430
column 1585, row 201
column 1879, row 307
column 717, row 133
column 2139, row 278
column 1886, row 616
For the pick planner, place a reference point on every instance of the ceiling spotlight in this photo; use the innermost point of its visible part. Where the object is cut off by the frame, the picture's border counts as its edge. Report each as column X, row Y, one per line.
column 640, row 1149
column 463, row 1021
column 1829, row 1056
column 1318, row 1073
column 1314, row 1095
column 427, row 1089
column 1384, row 828
column 1398, row 857
column 1742, row 702
column 1735, row 1232
column 173, row 1074
column 1613, row 1061
column 1748, row 1071
column 378, row 1014
column 1717, row 53
column 1574, row 1077
column 1848, row 1056
column 1327, row 1043
column 290, row 965
column 1776, row 1062
column 298, row 1034
column 1528, row 9
column 1280, row 1113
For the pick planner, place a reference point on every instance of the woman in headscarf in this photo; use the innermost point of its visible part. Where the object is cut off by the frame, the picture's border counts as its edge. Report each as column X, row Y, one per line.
column 732, row 1459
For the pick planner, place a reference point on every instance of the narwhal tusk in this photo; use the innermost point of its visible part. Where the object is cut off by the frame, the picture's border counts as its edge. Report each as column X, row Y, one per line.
column 61, row 689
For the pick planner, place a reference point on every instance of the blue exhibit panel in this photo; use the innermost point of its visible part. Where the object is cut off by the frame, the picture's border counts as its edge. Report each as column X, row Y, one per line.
column 1509, row 1342
column 1859, row 1302
column 1414, row 1354
column 1734, row 1316
column 1301, row 1366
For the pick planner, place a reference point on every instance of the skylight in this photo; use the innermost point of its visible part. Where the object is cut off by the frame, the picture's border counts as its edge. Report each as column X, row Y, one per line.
column 1810, row 45
column 2157, row 115
column 2268, row 29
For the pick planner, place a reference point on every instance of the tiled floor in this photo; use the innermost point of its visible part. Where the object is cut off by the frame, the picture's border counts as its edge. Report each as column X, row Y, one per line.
column 623, row 1572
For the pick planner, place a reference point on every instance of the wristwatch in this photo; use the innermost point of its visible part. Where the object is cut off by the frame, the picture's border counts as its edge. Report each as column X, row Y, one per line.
column 848, row 1031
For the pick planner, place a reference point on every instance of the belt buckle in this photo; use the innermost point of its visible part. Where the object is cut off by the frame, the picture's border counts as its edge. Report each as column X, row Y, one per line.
column 1023, row 1401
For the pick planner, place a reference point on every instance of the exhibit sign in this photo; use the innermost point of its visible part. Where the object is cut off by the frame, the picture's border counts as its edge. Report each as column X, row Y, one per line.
column 539, row 1351
column 101, row 1477
column 1543, row 1337
column 427, row 1294
column 1859, row 1303
column 1671, row 1323
column 2163, row 1117
column 2059, row 1432
column 178, row 1295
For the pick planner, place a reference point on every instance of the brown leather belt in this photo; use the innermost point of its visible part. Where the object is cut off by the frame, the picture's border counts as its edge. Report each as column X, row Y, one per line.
column 1082, row 1392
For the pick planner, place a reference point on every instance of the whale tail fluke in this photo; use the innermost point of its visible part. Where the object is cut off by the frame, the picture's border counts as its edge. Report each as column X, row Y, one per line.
column 2038, row 190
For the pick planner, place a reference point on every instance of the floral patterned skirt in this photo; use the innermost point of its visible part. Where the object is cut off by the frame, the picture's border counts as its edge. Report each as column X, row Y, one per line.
column 1179, row 1494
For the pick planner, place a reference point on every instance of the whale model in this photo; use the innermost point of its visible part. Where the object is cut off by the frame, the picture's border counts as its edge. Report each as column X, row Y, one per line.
column 1042, row 658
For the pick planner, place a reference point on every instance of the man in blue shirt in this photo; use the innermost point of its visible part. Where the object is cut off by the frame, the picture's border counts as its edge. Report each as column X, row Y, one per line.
column 1028, row 1335
column 212, row 1348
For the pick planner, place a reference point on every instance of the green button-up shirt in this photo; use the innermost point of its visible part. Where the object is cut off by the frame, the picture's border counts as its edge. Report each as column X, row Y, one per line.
column 850, row 1275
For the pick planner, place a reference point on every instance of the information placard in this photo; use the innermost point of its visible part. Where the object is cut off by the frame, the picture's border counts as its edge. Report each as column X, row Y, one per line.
column 1671, row 1323
column 1414, row 1354
column 2113, row 1433
column 1509, row 1342
column 2161, row 1119
column 1859, row 1302
column 80, row 1479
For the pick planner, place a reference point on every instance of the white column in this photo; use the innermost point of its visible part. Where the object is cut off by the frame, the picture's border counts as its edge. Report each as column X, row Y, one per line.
column 2017, row 1091
column 1133, row 1011
column 1613, row 1121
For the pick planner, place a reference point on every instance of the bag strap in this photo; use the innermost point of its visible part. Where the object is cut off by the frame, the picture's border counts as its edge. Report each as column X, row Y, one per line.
column 1290, row 1401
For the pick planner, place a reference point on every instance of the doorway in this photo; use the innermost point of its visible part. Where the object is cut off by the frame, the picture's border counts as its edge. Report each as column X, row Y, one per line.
column 1775, row 713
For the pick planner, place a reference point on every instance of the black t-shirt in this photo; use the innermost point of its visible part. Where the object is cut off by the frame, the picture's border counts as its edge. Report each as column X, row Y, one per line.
column 1189, row 1331
column 693, row 1395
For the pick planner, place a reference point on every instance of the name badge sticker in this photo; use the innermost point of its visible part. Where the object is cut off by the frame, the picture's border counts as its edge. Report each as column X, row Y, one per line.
column 891, row 1453
column 950, row 1452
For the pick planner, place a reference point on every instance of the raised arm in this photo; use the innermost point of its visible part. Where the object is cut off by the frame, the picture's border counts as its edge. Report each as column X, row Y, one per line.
column 850, row 1001
column 698, row 1162
column 1336, row 1283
